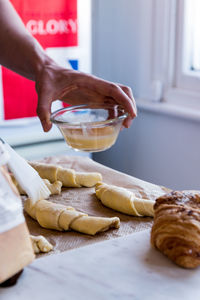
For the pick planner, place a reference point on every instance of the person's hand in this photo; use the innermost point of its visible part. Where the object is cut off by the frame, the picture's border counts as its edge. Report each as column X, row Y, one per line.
column 23, row 54
column 76, row 88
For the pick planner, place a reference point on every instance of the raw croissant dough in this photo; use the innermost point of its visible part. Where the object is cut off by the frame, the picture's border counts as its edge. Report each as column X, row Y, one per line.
column 40, row 244
column 60, row 217
column 176, row 228
column 124, row 201
column 54, row 188
column 68, row 177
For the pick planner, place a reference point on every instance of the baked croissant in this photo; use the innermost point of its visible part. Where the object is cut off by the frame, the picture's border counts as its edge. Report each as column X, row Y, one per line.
column 176, row 228
column 68, row 177
column 60, row 217
column 123, row 200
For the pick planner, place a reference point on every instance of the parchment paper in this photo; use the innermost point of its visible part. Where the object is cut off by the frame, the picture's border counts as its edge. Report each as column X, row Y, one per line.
column 84, row 200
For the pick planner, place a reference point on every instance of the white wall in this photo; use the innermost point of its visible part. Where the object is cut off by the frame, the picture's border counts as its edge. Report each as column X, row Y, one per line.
column 158, row 148
column 121, row 38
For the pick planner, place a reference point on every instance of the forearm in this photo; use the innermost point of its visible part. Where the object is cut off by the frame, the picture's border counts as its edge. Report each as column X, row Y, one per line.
column 19, row 51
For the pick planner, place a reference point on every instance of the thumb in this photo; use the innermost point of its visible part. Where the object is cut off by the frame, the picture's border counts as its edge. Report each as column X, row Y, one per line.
column 44, row 111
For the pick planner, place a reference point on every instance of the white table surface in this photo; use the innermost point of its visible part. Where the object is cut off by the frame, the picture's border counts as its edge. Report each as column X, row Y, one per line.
column 123, row 268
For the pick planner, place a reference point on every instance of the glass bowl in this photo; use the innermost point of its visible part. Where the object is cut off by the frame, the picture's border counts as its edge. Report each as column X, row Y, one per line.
column 90, row 128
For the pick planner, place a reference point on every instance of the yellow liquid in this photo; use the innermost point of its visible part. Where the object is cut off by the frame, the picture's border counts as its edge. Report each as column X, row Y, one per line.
column 94, row 139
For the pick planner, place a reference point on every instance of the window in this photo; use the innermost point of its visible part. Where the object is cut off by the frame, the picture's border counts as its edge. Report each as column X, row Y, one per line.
column 188, row 45
column 192, row 35
column 177, row 41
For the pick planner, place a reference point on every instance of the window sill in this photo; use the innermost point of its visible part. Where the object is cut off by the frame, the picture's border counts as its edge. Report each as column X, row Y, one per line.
column 169, row 109
column 31, row 133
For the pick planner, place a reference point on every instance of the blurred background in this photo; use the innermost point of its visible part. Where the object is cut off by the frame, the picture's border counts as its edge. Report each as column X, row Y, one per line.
column 152, row 46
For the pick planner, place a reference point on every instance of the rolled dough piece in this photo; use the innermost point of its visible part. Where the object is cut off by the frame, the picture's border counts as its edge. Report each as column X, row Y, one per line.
column 46, row 171
column 30, row 208
column 67, row 217
column 40, row 244
column 68, row 177
column 124, row 201
column 92, row 225
column 88, row 179
column 48, row 213
column 60, row 217
column 144, row 207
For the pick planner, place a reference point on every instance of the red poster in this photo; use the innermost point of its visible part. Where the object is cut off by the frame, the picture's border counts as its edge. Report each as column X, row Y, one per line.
column 53, row 24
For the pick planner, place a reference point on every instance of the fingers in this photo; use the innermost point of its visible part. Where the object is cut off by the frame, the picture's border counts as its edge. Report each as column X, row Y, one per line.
column 121, row 94
column 129, row 93
column 44, row 111
column 112, row 110
column 123, row 99
column 78, row 88
column 127, row 122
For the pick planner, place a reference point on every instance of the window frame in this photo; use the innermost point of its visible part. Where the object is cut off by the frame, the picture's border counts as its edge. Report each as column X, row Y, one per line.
column 178, row 87
column 183, row 79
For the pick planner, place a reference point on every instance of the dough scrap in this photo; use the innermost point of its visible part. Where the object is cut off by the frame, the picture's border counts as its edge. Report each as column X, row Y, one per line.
column 40, row 244
column 55, row 187
column 124, row 201
column 68, row 177
column 60, row 217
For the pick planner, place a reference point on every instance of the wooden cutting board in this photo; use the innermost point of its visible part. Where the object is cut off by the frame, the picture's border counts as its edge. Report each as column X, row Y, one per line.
column 85, row 200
